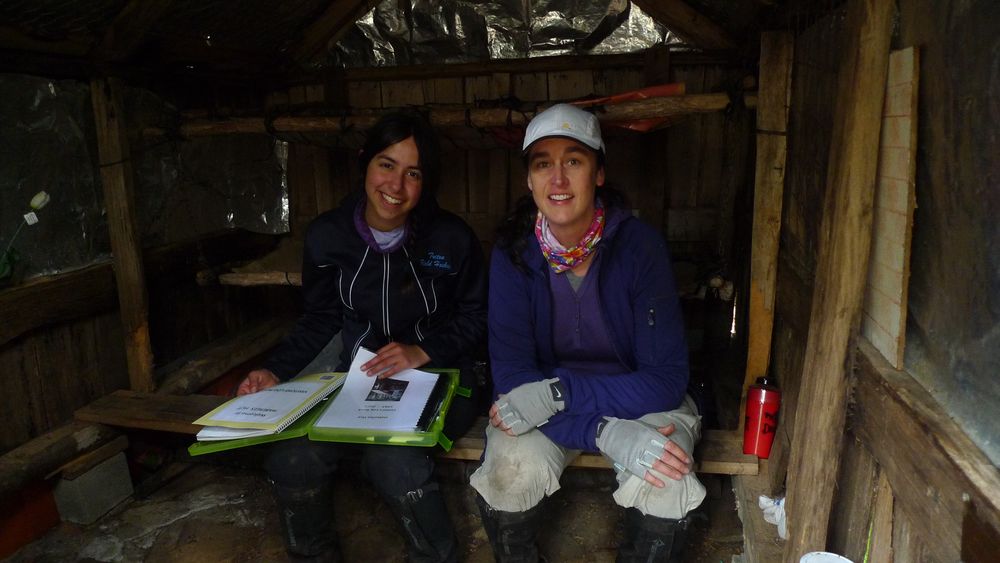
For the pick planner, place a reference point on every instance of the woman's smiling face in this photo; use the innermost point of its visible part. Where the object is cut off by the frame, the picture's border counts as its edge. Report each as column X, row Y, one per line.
column 393, row 182
column 563, row 176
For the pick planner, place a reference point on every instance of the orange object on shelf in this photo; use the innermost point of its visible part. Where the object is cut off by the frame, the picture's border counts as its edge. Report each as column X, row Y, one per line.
column 640, row 125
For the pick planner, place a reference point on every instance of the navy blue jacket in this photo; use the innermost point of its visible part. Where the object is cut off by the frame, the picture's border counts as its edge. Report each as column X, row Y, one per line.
column 430, row 292
column 641, row 311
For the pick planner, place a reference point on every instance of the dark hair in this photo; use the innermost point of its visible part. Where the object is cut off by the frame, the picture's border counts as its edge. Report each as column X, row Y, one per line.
column 517, row 227
column 399, row 126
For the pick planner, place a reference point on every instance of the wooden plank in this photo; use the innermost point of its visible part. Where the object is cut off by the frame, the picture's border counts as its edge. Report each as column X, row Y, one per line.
column 147, row 411
column 402, row 93
column 530, row 65
column 44, row 453
column 453, row 189
column 907, row 544
column 530, row 86
column 686, row 22
column 761, row 543
column 718, row 452
column 980, row 539
column 854, row 503
column 56, row 298
column 330, row 26
column 117, row 182
column 884, row 323
column 881, row 532
column 84, row 463
column 930, row 462
column 444, row 90
column 487, row 87
column 198, row 369
column 776, row 56
column 845, row 240
column 671, row 106
column 126, row 34
column 570, row 85
column 364, row 94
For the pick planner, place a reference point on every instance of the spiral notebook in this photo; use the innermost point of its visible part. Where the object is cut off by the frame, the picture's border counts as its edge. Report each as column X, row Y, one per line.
column 269, row 411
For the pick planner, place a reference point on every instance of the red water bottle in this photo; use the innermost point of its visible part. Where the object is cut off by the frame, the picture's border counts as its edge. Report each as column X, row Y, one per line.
column 763, row 401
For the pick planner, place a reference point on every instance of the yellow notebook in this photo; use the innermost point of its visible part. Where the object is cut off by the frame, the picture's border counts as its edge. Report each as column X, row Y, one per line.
column 269, row 411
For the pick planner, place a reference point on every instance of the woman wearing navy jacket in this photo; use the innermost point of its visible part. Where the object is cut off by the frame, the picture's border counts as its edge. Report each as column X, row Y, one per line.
column 391, row 271
column 587, row 353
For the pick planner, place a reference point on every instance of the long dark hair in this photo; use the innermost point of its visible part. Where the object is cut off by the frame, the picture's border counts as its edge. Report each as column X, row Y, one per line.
column 399, row 126
column 515, row 230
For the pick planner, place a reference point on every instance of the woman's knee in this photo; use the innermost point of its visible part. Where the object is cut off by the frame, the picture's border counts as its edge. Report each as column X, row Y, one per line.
column 518, row 473
column 396, row 470
column 301, row 462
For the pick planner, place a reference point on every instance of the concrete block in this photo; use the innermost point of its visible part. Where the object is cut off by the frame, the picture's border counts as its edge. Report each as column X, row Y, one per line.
column 91, row 495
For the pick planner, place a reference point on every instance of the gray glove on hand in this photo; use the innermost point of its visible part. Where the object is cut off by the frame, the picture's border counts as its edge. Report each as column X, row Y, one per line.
column 632, row 445
column 531, row 404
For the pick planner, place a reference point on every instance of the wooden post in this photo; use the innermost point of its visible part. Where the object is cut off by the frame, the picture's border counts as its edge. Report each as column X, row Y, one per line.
column 844, row 245
column 776, row 49
column 116, row 177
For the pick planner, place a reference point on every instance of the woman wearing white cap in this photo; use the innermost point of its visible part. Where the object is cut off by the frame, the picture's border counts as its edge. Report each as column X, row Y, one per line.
column 588, row 353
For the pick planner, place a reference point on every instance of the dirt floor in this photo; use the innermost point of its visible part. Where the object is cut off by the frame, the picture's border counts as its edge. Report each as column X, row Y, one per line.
column 220, row 509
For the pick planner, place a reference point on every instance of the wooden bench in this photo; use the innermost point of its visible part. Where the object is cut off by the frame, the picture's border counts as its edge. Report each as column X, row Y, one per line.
column 720, row 451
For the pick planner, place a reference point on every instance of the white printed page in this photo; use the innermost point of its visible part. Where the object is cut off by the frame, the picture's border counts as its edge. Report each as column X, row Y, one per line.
column 394, row 403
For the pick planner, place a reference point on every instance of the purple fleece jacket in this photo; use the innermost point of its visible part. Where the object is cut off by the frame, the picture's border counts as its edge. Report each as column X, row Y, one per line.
column 640, row 308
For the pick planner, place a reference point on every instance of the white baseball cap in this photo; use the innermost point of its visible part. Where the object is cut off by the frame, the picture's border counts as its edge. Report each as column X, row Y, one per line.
column 565, row 120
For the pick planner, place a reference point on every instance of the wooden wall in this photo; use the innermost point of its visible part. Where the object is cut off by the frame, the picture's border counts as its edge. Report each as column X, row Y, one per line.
column 683, row 179
column 910, row 476
column 48, row 373
column 72, row 352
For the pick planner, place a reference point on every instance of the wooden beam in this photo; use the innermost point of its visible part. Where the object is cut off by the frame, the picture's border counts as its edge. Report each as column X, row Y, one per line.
column 14, row 39
column 774, row 98
column 842, row 268
column 56, row 298
column 517, row 66
column 933, row 467
column 475, row 117
column 881, row 532
column 147, row 411
column 761, row 543
column 686, row 22
column 43, row 454
column 116, row 178
column 854, row 503
column 195, row 371
column 330, row 26
column 261, row 278
column 127, row 32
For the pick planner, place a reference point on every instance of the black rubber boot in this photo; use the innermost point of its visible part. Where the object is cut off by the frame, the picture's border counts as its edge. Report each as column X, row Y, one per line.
column 649, row 539
column 306, row 515
column 512, row 534
column 426, row 526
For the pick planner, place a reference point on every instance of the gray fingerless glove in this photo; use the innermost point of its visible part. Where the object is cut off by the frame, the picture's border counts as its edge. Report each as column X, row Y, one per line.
column 632, row 445
column 531, row 404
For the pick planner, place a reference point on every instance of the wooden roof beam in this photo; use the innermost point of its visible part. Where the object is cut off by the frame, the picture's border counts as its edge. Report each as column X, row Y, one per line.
column 453, row 117
column 692, row 26
column 127, row 32
column 330, row 26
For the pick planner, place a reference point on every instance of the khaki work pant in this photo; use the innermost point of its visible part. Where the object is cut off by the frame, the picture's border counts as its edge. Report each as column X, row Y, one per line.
column 519, row 471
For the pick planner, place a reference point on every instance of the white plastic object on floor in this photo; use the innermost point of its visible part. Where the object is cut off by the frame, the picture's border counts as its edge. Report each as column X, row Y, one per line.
column 774, row 513
column 823, row 557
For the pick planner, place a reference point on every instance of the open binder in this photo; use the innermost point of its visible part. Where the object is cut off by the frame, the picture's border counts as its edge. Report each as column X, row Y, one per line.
column 429, row 431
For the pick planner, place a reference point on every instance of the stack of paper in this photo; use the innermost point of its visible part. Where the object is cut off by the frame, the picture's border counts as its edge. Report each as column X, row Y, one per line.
column 394, row 403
